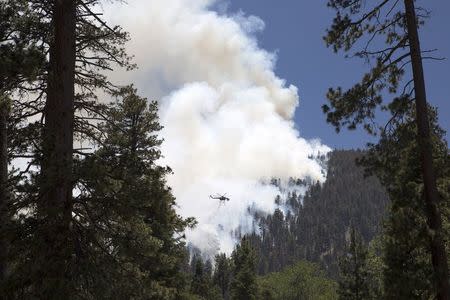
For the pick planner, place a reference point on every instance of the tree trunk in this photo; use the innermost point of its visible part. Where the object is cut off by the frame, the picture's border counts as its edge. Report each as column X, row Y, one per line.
column 3, row 182
column 56, row 189
column 439, row 256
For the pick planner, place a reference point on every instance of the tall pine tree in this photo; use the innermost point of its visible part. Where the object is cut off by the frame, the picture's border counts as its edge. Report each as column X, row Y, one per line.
column 244, row 285
column 354, row 275
column 392, row 44
column 62, row 102
column 407, row 254
column 222, row 274
column 20, row 61
column 126, row 209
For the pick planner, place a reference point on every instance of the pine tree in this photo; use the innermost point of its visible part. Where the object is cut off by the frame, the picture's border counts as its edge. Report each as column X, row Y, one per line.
column 19, row 63
column 244, row 285
column 222, row 274
column 396, row 29
column 40, row 229
column 376, row 267
column 202, row 286
column 199, row 285
column 302, row 280
column 354, row 275
column 125, row 206
column 406, row 253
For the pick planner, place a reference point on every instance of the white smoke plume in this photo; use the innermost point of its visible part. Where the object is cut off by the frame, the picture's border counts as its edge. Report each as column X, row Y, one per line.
column 227, row 117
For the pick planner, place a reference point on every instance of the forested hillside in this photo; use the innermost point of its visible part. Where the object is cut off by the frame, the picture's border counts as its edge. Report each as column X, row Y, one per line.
column 316, row 227
column 297, row 249
column 344, row 230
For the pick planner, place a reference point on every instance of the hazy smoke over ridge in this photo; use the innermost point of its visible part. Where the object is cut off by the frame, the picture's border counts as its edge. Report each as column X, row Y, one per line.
column 227, row 116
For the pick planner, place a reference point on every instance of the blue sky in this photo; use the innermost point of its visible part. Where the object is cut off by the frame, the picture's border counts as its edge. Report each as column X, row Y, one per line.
column 294, row 29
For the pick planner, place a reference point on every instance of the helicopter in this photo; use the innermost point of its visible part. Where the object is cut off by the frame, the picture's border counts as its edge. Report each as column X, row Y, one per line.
column 221, row 198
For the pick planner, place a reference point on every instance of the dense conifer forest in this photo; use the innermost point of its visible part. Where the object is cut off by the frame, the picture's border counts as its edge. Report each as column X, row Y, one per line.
column 316, row 227
column 311, row 235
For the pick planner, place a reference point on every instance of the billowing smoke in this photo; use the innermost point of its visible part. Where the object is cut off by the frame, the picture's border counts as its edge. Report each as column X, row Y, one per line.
column 227, row 117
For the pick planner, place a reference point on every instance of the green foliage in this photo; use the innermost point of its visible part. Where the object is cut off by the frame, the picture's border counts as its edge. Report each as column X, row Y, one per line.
column 408, row 273
column 244, row 285
column 127, row 237
column 354, row 275
column 222, row 274
column 385, row 34
column 22, row 61
column 302, row 280
column 21, row 57
column 375, row 267
column 314, row 226
column 378, row 30
column 199, row 284
column 123, row 188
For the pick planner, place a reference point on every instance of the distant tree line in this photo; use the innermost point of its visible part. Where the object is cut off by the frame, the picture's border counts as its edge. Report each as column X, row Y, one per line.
column 235, row 277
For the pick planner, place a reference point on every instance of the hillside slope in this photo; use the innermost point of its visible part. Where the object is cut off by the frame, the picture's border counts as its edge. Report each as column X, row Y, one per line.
column 315, row 227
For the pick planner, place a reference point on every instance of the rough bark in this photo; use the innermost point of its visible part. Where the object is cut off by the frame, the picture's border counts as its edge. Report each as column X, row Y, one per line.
column 439, row 257
column 56, row 194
